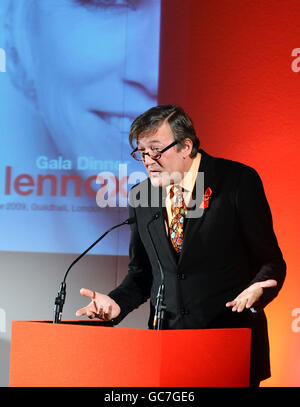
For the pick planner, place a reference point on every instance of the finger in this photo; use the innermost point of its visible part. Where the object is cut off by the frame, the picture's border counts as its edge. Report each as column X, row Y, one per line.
column 81, row 311
column 268, row 283
column 241, row 305
column 236, row 304
column 107, row 309
column 107, row 314
column 234, row 308
column 100, row 311
column 90, row 314
column 87, row 293
column 250, row 302
column 232, row 304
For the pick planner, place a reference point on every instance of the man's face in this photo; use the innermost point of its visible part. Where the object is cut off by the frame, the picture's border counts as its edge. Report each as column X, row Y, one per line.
column 170, row 167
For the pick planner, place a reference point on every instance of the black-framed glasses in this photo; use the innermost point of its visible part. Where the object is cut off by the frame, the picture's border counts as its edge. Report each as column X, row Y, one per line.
column 154, row 153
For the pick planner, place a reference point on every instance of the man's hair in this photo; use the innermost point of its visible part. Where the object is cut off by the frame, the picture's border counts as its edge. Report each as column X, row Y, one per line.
column 180, row 124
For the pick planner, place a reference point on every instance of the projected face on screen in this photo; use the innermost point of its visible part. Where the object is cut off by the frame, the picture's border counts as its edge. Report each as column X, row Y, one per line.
column 92, row 67
column 86, row 69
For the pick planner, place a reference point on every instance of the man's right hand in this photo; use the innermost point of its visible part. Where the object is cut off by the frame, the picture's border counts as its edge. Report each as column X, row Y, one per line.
column 101, row 306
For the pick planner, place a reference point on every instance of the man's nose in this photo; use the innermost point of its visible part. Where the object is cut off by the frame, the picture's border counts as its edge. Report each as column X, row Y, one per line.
column 148, row 160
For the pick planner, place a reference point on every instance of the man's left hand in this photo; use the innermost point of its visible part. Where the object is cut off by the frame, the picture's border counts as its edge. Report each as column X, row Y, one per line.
column 250, row 295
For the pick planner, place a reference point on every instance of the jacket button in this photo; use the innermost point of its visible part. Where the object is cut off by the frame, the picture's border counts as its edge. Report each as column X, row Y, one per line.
column 180, row 276
column 184, row 311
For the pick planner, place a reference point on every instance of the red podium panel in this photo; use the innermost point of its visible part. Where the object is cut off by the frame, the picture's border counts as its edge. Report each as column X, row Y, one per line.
column 47, row 354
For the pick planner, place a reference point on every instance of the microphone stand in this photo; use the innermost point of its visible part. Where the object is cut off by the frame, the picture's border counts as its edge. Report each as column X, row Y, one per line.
column 160, row 307
column 61, row 295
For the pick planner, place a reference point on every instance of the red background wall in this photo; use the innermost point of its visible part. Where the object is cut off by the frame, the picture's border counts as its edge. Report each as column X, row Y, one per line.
column 229, row 65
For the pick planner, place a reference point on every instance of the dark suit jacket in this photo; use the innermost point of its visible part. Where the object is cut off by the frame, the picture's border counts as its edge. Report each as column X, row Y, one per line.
column 231, row 246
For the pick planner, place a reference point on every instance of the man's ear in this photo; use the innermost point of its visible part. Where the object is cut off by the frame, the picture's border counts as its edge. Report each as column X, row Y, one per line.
column 187, row 147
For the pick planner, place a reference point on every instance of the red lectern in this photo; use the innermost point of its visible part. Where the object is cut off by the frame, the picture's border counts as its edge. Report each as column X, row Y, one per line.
column 47, row 354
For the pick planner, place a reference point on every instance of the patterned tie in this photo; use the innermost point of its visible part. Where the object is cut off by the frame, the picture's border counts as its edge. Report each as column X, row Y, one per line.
column 179, row 213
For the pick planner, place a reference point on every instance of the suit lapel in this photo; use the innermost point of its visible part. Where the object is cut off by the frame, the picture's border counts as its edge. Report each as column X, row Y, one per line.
column 211, row 180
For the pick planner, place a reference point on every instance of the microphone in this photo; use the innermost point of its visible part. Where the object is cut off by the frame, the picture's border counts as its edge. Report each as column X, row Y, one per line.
column 155, row 217
column 61, row 295
column 160, row 307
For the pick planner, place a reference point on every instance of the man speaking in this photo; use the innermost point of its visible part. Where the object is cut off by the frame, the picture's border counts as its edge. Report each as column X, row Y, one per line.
column 218, row 266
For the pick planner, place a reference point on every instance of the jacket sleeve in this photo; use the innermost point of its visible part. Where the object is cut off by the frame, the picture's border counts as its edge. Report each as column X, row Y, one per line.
column 136, row 287
column 257, row 228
